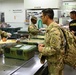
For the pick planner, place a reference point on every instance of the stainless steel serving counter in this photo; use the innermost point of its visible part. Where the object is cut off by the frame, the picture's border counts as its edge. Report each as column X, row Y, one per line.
column 29, row 68
column 10, row 66
column 20, row 67
column 34, row 65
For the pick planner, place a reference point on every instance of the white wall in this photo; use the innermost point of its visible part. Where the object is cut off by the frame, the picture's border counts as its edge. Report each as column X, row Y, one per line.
column 14, row 12
column 68, row 6
column 68, row 0
column 41, row 4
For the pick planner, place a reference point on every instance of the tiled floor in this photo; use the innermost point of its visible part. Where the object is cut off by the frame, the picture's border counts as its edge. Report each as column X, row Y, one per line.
column 69, row 70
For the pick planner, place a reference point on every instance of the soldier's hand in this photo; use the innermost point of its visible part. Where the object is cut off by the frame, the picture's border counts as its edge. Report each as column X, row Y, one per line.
column 73, row 32
column 40, row 47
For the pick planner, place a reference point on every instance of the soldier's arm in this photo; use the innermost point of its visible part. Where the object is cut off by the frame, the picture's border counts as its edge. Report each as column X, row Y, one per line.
column 32, row 29
column 0, row 32
column 54, row 43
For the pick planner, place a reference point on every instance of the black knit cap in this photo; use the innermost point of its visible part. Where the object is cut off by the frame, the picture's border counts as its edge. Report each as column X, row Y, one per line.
column 33, row 17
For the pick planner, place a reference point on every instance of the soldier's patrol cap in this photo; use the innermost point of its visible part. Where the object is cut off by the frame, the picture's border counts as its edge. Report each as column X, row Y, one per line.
column 33, row 17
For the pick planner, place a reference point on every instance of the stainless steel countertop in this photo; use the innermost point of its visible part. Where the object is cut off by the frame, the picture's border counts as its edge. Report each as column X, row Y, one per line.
column 30, row 68
column 20, row 67
column 8, row 65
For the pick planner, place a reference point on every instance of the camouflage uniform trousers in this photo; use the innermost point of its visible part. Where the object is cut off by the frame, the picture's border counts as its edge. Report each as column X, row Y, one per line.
column 55, row 68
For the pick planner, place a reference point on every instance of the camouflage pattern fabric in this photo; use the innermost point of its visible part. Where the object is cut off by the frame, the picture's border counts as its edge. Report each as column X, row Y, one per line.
column 3, row 33
column 33, row 29
column 53, row 50
column 70, row 48
column 0, row 32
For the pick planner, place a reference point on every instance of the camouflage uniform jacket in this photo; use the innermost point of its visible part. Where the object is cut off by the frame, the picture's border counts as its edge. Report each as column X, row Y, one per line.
column 0, row 32
column 33, row 29
column 3, row 33
column 53, row 44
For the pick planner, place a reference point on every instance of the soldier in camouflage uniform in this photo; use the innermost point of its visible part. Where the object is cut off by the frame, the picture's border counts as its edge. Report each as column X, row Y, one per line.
column 3, row 33
column 33, row 30
column 52, row 50
column 72, row 24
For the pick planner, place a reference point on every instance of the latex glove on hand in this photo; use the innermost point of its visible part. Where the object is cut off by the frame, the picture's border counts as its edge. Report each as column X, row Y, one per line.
column 9, row 34
column 42, row 29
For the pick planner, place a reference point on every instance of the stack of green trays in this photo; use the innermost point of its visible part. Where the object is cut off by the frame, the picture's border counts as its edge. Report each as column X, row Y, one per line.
column 23, row 32
column 38, row 37
column 21, row 51
column 32, row 41
column 7, row 50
